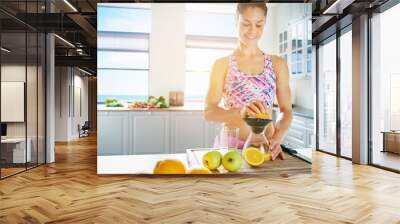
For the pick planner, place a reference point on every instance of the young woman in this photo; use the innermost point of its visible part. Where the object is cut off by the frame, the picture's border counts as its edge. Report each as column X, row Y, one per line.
column 248, row 80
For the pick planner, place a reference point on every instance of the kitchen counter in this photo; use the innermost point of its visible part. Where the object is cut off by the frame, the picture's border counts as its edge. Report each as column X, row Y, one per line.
column 303, row 112
column 300, row 111
column 187, row 107
column 144, row 164
column 198, row 107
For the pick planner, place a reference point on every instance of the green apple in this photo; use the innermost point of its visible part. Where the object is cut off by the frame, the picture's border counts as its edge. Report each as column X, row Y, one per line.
column 212, row 160
column 232, row 161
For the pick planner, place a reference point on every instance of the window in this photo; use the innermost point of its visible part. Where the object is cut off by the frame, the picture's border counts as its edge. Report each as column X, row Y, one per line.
column 298, row 51
column 123, row 52
column 297, row 58
column 283, row 44
column 210, row 20
column 123, row 18
column 394, row 101
column 327, row 96
column 385, row 87
column 309, row 47
column 200, row 56
column 346, row 94
column 210, row 34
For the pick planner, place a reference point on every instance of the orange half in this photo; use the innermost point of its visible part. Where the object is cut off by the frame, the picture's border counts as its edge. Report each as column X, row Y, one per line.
column 253, row 156
column 199, row 171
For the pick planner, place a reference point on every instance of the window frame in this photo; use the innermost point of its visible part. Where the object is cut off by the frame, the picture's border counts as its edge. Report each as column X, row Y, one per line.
column 141, row 35
column 291, row 49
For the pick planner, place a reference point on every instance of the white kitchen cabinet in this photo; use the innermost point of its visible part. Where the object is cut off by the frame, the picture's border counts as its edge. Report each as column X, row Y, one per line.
column 310, row 133
column 187, row 131
column 300, row 132
column 150, row 132
column 112, row 133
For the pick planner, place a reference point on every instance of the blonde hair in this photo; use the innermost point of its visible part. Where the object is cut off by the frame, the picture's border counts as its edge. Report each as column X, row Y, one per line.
column 243, row 6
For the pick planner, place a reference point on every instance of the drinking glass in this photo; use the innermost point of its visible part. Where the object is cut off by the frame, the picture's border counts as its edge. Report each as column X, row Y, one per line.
column 229, row 138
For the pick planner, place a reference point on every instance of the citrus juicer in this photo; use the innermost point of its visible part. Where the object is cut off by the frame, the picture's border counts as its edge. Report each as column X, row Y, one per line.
column 256, row 137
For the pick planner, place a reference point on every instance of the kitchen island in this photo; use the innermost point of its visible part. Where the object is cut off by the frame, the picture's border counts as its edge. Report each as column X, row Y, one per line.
column 124, row 131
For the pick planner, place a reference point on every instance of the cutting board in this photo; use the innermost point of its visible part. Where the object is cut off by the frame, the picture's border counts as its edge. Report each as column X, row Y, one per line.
column 290, row 165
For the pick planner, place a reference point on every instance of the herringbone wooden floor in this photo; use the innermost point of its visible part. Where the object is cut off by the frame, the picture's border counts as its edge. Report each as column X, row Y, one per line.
column 70, row 191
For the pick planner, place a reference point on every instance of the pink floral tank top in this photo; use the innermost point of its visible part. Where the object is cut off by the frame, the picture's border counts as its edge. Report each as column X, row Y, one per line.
column 241, row 89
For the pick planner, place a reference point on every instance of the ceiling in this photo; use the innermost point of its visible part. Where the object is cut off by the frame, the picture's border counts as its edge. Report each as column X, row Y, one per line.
column 330, row 15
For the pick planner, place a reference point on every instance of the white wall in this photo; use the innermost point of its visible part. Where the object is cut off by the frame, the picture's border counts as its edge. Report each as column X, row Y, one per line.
column 15, row 72
column 61, row 103
column 167, row 49
column 269, row 40
column 66, row 120
column 33, row 127
column 302, row 88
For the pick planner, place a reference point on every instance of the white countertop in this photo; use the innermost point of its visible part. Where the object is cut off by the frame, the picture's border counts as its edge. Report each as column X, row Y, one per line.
column 134, row 164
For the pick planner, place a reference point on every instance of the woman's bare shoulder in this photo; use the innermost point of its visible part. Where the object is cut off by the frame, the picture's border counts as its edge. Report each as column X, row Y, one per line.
column 277, row 60
column 221, row 65
column 279, row 64
column 222, row 62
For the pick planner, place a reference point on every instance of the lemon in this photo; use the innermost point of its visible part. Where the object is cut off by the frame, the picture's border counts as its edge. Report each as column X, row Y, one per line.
column 253, row 156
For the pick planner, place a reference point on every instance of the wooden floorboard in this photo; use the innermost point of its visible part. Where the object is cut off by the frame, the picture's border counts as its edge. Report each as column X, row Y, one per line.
column 70, row 191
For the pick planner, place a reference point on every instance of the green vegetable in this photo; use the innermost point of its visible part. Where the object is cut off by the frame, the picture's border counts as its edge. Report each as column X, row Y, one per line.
column 113, row 103
column 161, row 99
column 164, row 105
column 152, row 100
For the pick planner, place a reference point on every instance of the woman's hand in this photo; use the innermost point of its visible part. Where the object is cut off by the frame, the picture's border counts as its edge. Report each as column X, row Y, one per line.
column 253, row 108
column 275, row 148
column 234, row 119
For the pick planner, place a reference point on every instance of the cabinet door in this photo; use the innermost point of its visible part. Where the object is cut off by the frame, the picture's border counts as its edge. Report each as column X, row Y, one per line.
column 188, row 131
column 297, row 134
column 150, row 134
column 112, row 133
column 310, row 133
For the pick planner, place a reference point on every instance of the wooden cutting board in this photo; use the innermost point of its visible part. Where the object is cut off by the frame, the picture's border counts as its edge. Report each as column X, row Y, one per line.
column 291, row 165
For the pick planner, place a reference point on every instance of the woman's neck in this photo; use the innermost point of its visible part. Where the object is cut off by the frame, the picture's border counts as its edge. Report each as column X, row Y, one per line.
column 247, row 50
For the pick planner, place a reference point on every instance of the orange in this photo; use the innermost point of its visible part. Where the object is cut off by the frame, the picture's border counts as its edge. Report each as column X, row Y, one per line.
column 169, row 166
column 199, row 171
column 267, row 156
column 261, row 115
column 253, row 156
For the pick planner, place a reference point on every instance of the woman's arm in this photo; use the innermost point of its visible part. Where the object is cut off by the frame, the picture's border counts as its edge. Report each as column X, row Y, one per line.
column 213, row 112
column 283, row 95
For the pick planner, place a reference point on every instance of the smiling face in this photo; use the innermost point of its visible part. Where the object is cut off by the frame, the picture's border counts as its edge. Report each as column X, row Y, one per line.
column 251, row 23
